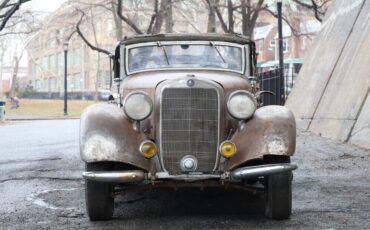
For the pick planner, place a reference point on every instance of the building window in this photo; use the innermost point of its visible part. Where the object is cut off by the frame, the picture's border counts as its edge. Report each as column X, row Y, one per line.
column 34, row 68
column 60, row 59
column 260, row 46
column 107, row 79
column 304, row 43
column 272, row 44
column 70, row 83
column 52, row 61
column 47, row 84
column 77, row 82
column 285, row 46
column 53, row 84
column 76, row 56
column 45, row 63
column 109, row 27
column 98, row 29
column 70, row 57
column 99, row 79
column 37, row 85
column 86, row 81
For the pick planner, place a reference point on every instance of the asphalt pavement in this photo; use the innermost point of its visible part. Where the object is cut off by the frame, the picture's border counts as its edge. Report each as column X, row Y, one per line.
column 41, row 188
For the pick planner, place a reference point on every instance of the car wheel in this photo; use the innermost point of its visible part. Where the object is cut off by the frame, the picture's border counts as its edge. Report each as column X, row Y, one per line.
column 99, row 195
column 278, row 189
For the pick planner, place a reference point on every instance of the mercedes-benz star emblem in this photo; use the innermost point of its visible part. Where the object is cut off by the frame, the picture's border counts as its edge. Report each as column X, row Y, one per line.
column 190, row 82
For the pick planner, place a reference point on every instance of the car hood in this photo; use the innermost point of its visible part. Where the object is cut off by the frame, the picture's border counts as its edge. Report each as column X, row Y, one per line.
column 150, row 80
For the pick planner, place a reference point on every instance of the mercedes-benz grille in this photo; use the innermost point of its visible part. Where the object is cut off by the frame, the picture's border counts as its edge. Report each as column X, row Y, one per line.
column 189, row 126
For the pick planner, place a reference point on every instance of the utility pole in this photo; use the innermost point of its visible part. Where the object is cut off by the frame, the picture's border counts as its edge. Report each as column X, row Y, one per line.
column 65, row 47
column 281, row 54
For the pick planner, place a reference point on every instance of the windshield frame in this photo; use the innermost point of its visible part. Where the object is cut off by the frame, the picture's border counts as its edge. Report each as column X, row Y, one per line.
column 183, row 42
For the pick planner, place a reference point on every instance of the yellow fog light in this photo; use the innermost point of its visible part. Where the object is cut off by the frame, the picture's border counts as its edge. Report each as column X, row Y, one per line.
column 148, row 149
column 227, row 149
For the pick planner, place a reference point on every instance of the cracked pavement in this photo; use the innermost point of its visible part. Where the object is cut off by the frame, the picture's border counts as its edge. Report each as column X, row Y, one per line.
column 41, row 188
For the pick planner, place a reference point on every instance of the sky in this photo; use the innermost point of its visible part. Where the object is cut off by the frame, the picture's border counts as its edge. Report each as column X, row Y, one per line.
column 44, row 5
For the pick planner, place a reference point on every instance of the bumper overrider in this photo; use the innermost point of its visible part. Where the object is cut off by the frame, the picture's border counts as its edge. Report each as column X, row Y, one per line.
column 239, row 174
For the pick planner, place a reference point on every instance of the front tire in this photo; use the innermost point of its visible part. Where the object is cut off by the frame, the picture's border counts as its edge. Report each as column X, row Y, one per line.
column 278, row 189
column 99, row 195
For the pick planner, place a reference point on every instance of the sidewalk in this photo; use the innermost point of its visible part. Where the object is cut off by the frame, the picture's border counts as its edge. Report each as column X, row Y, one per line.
column 28, row 117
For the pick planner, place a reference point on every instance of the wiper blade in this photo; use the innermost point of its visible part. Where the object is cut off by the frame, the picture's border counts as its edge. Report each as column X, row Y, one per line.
column 164, row 52
column 218, row 51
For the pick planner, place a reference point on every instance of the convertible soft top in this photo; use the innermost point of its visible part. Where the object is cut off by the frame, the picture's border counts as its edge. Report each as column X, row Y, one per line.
column 189, row 37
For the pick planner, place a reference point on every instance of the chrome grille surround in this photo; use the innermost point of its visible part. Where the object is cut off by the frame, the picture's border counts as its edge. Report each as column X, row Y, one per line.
column 183, row 113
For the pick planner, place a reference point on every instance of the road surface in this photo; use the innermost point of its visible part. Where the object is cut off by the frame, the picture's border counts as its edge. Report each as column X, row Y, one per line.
column 41, row 188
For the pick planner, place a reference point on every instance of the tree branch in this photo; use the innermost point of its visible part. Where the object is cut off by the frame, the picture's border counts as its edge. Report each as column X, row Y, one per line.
column 152, row 19
column 219, row 16
column 85, row 39
column 294, row 31
column 126, row 19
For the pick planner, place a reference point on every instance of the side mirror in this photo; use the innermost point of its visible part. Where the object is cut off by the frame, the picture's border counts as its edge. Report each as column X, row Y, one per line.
column 116, row 64
column 114, row 98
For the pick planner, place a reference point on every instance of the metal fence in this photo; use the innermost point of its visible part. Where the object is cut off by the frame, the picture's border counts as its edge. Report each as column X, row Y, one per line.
column 60, row 95
column 279, row 89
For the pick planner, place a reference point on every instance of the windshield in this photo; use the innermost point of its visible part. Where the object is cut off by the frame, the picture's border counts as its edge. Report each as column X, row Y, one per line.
column 184, row 56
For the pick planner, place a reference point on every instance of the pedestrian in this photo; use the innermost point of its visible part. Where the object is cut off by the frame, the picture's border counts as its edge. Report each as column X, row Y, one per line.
column 14, row 101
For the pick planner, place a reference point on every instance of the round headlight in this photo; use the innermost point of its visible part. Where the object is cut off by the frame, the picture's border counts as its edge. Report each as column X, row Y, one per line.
column 137, row 106
column 241, row 105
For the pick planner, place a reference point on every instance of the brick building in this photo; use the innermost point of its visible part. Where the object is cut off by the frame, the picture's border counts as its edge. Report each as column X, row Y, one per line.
column 294, row 44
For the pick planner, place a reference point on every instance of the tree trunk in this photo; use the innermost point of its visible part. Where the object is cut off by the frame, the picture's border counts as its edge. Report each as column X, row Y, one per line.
column 169, row 18
column 97, row 76
column 250, row 16
column 117, row 23
column 230, row 12
column 14, row 76
column 211, row 27
column 98, row 58
column 245, row 19
column 159, row 19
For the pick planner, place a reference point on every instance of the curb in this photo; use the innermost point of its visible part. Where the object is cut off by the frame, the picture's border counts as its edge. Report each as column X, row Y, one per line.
column 40, row 118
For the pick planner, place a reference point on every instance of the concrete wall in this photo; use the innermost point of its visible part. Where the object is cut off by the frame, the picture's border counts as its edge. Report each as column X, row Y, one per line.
column 331, row 95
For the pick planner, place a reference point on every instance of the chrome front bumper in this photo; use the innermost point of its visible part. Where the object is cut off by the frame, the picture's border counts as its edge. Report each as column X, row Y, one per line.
column 137, row 176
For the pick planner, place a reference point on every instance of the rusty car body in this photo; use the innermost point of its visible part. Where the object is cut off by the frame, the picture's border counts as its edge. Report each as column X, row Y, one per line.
column 186, row 116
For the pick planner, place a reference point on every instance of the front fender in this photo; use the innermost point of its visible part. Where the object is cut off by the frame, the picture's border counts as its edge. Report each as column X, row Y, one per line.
column 271, row 131
column 107, row 135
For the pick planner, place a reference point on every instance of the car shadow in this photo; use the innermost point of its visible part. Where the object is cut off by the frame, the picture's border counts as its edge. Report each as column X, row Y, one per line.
column 189, row 202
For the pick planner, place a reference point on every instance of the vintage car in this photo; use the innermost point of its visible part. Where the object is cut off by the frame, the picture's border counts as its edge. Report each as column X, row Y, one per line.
column 186, row 115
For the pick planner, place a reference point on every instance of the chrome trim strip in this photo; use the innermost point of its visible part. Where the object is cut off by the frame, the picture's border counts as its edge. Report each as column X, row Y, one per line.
column 260, row 170
column 115, row 176
column 187, row 42
column 188, row 177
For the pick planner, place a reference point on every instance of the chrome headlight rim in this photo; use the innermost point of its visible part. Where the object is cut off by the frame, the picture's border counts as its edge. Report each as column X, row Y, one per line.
column 251, row 97
column 147, row 98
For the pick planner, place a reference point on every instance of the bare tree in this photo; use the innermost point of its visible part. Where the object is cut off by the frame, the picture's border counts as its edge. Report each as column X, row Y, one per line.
column 249, row 10
column 94, row 47
column 21, row 23
column 319, row 7
column 9, row 7
column 156, row 20
column 211, row 25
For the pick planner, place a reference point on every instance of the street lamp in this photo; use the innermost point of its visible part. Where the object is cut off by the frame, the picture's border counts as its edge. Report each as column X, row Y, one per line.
column 281, row 55
column 65, row 48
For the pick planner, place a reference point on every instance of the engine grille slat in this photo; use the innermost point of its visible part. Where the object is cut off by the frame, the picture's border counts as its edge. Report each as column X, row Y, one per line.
column 189, row 126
